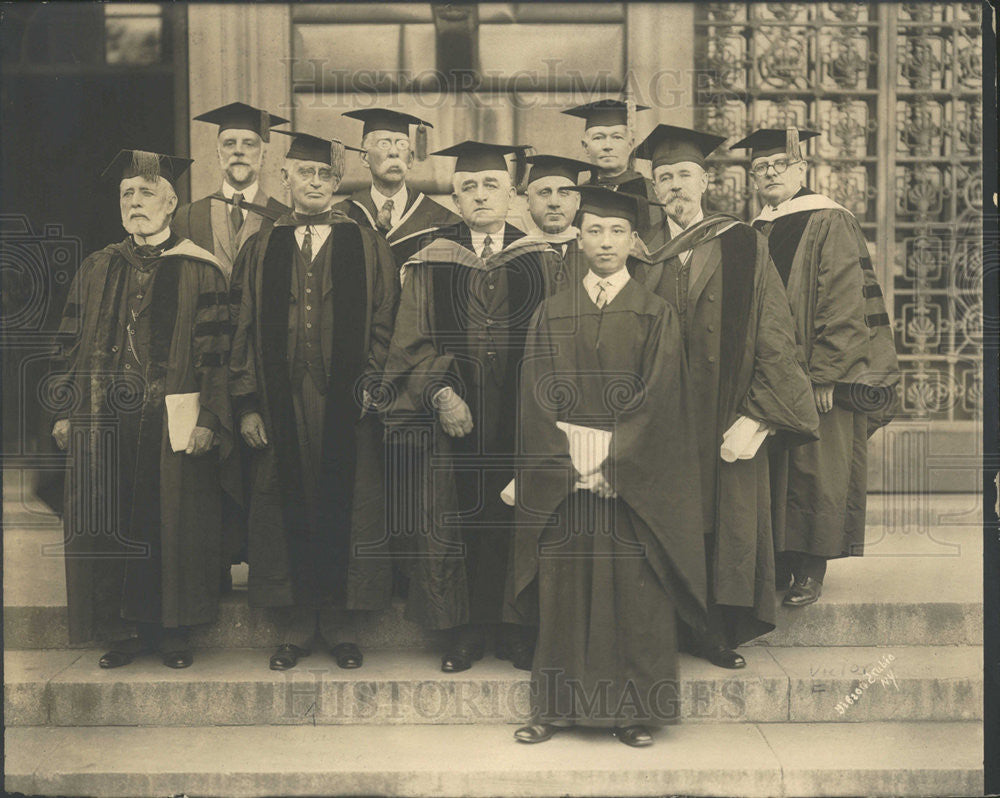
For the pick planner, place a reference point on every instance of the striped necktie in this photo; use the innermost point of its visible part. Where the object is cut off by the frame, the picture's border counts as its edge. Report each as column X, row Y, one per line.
column 602, row 293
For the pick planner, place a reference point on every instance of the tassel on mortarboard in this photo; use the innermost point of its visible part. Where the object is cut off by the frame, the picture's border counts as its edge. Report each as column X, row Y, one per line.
column 265, row 126
column 792, row 144
column 421, row 142
column 146, row 164
column 521, row 167
column 338, row 161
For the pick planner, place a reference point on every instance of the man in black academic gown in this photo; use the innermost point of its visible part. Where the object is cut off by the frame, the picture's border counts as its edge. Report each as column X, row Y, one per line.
column 608, row 547
column 553, row 206
column 318, row 297
column 608, row 142
column 452, row 371
column 146, row 325
column 222, row 228
column 846, row 336
column 746, row 382
column 399, row 213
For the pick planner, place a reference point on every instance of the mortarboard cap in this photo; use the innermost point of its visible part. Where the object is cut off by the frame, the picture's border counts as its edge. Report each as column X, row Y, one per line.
column 150, row 165
column 386, row 119
column 771, row 141
column 240, row 116
column 549, row 165
column 668, row 144
column 478, row 156
column 306, row 147
column 603, row 112
column 605, row 202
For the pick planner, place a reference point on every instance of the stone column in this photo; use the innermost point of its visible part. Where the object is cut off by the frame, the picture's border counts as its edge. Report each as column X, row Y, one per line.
column 660, row 51
column 239, row 52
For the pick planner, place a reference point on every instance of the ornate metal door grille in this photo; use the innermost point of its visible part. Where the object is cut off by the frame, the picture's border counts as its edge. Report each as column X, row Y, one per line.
column 895, row 90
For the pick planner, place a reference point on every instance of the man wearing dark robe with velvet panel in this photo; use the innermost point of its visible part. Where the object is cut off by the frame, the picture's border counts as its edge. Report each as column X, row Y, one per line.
column 221, row 223
column 146, row 325
column 453, row 367
column 318, row 297
column 401, row 214
column 609, row 545
column 745, row 378
column 847, row 342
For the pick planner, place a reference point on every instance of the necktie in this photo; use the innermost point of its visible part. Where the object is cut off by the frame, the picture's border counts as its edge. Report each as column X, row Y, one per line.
column 487, row 248
column 236, row 214
column 307, row 245
column 384, row 220
column 602, row 294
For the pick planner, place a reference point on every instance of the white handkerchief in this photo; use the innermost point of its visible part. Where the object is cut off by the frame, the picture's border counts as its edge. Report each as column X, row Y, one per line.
column 742, row 440
column 507, row 494
column 588, row 446
column 182, row 418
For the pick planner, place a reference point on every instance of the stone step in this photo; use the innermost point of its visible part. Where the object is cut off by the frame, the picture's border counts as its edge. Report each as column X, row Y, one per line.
column 769, row 760
column 236, row 687
column 917, row 584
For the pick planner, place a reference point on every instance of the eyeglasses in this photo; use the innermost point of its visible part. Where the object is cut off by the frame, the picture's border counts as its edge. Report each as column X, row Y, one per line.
column 386, row 144
column 780, row 166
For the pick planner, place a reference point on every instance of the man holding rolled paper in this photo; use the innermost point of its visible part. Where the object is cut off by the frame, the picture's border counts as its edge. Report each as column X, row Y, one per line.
column 145, row 335
column 609, row 544
column 746, row 382
column 221, row 223
column 842, row 325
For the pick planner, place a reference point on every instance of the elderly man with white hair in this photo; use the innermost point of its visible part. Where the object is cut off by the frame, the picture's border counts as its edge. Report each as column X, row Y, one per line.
column 453, row 369
column 318, row 297
column 145, row 335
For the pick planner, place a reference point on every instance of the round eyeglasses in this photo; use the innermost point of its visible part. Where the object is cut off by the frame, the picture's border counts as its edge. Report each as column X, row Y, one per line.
column 387, row 144
column 779, row 166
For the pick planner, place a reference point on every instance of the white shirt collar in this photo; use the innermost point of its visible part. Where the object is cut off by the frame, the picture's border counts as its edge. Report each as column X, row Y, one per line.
column 398, row 199
column 248, row 193
column 154, row 240
column 496, row 239
column 320, row 233
column 613, row 284
column 676, row 230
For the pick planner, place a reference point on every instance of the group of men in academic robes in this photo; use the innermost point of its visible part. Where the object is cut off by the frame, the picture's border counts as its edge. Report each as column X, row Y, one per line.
column 386, row 394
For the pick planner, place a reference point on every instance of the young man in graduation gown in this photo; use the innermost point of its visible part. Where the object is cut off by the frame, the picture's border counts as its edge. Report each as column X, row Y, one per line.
column 318, row 298
column 146, row 320
column 841, row 322
column 453, row 368
column 552, row 207
column 745, row 378
column 608, row 551
column 403, row 216
column 222, row 228
column 608, row 141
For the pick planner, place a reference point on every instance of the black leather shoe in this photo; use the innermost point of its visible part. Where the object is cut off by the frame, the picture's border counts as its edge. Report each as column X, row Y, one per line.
column 535, row 733
column 803, row 592
column 521, row 656
column 115, row 659
column 723, row 657
column 635, row 736
column 348, row 655
column 287, row 656
column 178, row 659
column 460, row 659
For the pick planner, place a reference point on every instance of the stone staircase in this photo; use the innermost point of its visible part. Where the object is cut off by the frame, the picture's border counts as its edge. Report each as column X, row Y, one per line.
column 910, row 611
